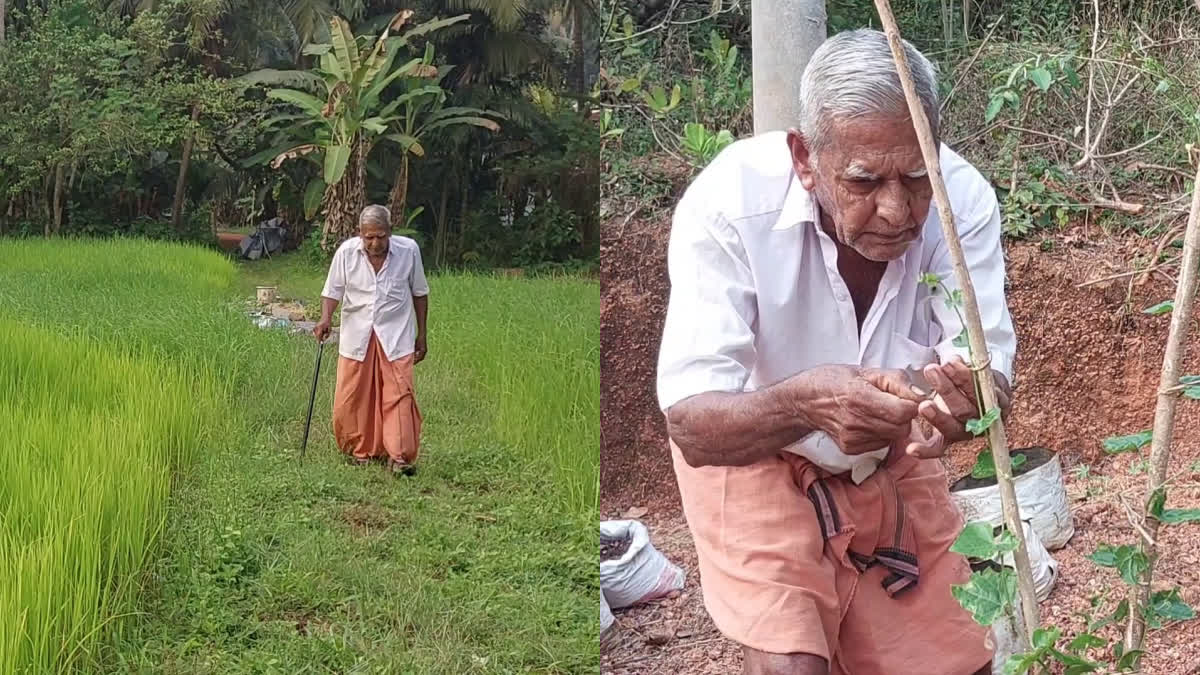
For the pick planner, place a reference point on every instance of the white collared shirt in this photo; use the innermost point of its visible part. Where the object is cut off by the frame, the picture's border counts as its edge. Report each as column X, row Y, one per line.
column 756, row 296
column 380, row 302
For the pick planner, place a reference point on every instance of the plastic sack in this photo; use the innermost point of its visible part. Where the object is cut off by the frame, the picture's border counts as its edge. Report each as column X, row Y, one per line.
column 1042, row 497
column 642, row 573
column 1043, row 566
column 606, row 615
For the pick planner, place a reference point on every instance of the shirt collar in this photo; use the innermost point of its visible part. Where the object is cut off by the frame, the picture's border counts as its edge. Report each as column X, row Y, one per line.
column 798, row 207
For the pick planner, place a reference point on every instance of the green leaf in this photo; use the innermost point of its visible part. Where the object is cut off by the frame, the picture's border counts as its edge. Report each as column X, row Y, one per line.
column 1006, row 542
column 954, row 299
column 1020, row 663
column 1176, row 516
column 976, row 541
column 1163, row 85
column 336, row 159
column 312, row 197
column 630, row 84
column 962, row 341
column 986, row 594
column 931, row 280
column 432, row 26
column 484, row 122
column 1041, row 77
column 1045, row 638
column 993, row 108
column 1168, row 605
column 1129, row 561
column 345, row 48
column 1118, row 444
column 1104, row 556
column 1193, row 386
column 985, row 466
column 980, row 426
column 1086, row 641
column 1157, row 500
column 1161, row 308
column 408, row 143
column 1130, row 660
column 298, row 98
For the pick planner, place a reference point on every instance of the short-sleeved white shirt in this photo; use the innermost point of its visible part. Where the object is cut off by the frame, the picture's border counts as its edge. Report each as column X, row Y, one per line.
column 380, row 302
column 756, row 295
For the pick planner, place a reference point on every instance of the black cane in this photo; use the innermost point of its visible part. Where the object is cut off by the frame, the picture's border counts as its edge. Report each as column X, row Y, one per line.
column 312, row 395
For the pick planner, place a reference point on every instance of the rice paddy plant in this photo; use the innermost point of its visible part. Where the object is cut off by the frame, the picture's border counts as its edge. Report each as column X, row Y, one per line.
column 92, row 441
column 533, row 351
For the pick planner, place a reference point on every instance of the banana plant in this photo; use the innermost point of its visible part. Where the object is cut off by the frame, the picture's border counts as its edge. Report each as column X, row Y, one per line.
column 420, row 111
column 342, row 115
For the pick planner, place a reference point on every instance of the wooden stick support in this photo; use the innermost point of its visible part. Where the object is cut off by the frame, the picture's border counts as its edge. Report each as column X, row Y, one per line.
column 1164, row 413
column 979, row 350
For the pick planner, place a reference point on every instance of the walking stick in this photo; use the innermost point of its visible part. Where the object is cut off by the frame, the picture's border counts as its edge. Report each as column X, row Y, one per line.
column 312, row 395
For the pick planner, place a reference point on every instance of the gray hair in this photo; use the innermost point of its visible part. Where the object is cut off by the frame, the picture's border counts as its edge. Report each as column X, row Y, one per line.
column 852, row 74
column 377, row 214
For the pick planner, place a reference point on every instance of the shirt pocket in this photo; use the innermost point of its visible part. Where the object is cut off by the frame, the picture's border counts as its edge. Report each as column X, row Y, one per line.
column 397, row 292
column 908, row 354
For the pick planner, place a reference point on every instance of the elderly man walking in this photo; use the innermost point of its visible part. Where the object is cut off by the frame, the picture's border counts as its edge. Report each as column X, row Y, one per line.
column 380, row 282
column 796, row 331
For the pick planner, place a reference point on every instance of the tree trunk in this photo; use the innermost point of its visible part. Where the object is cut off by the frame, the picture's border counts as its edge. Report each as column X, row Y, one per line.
column 784, row 34
column 2, row 18
column 947, row 22
column 344, row 201
column 442, row 219
column 181, row 182
column 966, row 9
column 579, row 67
column 398, row 199
column 59, row 180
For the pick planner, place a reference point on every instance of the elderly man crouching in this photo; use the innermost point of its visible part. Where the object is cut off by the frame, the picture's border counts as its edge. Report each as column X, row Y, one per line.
column 380, row 282
column 820, row 514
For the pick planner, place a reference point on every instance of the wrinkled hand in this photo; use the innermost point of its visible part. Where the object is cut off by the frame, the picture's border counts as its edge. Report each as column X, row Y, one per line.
column 862, row 409
column 919, row 443
column 954, row 401
column 419, row 351
column 322, row 330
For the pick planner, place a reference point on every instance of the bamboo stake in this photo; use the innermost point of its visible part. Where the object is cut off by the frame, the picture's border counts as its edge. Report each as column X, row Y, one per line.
column 979, row 350
column 1164, row 414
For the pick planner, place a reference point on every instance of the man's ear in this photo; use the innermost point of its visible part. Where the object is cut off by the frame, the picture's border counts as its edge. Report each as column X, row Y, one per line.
column 803, row 162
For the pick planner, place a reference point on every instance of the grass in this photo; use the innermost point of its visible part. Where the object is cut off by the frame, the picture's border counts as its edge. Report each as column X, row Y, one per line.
column 482, row 562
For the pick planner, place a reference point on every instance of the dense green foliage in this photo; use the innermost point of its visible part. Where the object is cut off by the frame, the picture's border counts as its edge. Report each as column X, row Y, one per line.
column 1015, row 94
column 95, row 144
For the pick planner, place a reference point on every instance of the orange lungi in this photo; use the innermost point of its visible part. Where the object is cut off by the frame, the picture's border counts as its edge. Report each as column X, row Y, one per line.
column 375, row 413
column 872, row 599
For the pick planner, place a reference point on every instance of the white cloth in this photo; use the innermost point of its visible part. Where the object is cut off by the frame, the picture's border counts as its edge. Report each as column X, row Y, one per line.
column 380, row 302
column 756, row 296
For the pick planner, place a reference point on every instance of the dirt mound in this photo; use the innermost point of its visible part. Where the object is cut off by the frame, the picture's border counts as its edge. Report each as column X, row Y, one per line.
column 1087, row 365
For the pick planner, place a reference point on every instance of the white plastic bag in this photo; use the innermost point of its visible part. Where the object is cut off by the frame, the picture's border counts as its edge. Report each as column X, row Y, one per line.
column 1042, row 496
column 642, row 574
column 606, row 615
column 1041, row 563
column 1005, row 631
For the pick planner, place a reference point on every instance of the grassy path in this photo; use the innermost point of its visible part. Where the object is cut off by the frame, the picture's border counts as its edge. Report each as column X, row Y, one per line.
column 482, row 562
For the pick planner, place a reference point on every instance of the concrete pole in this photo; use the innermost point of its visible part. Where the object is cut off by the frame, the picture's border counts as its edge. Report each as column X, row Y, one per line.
column 783, row 35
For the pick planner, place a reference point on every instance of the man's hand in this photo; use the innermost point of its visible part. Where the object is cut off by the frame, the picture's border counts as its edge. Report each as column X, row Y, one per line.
column 956, row 402
column 923, row 441
column 419, row 350
column 322, row 330
column 862, row 409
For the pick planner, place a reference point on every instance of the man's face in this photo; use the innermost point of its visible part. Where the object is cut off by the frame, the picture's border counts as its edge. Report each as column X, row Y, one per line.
column 870, row 181
column 375, row 238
